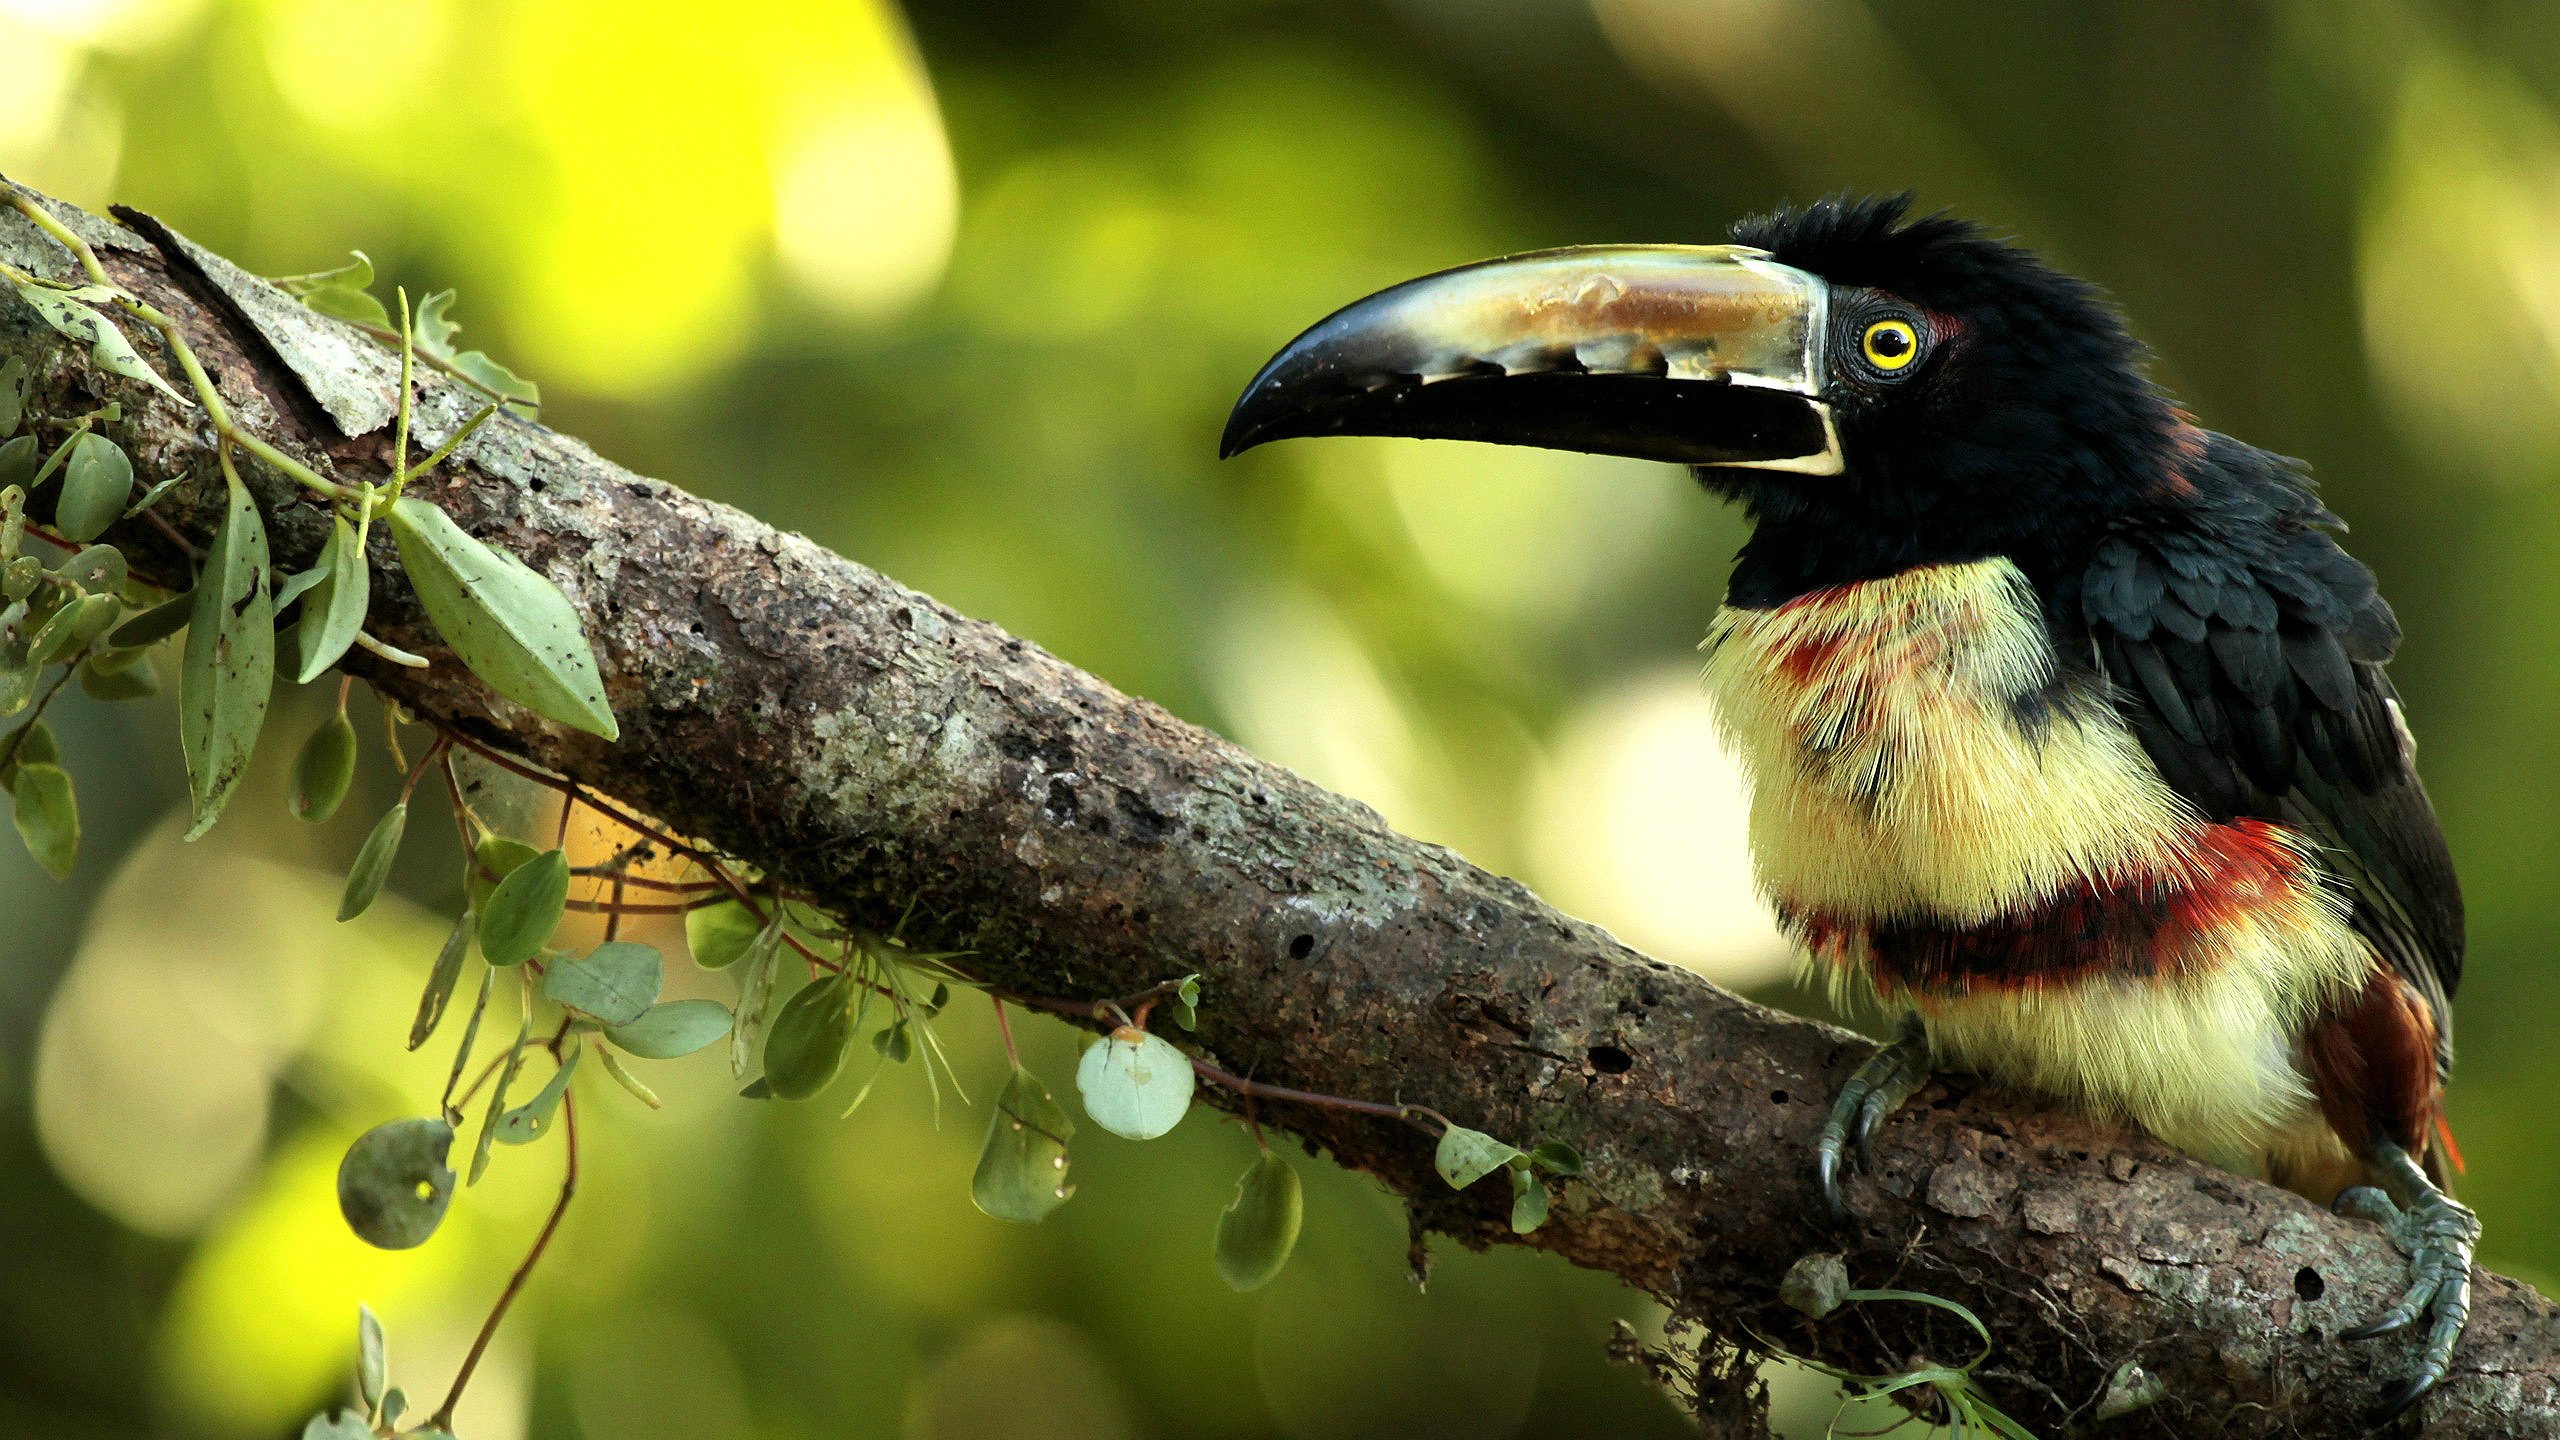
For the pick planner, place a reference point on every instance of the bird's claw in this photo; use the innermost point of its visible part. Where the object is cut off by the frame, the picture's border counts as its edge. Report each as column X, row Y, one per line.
column 1875, row 1090
column 2439, row 1234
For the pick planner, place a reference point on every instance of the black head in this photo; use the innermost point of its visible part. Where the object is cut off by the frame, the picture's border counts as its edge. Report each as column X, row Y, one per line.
column 1879, row 391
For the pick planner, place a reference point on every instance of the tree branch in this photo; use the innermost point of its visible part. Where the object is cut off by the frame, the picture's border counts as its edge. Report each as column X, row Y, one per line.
column 870, row 747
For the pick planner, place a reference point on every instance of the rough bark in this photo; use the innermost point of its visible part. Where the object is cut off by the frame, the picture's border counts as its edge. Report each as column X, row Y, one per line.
column 869, row 745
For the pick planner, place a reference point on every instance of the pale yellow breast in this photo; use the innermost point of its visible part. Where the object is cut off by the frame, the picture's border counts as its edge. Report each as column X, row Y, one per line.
column 1878, row 725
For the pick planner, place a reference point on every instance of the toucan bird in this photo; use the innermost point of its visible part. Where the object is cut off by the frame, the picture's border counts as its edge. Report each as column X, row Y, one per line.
column 2065, row 718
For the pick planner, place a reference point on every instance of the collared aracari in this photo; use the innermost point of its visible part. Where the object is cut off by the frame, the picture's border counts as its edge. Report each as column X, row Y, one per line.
column 2065, row 718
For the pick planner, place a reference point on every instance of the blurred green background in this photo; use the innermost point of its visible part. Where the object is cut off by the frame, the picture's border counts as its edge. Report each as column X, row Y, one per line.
column 963, row 291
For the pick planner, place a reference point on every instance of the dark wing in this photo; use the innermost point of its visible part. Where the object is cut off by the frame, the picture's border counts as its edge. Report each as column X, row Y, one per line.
column 2245, row 649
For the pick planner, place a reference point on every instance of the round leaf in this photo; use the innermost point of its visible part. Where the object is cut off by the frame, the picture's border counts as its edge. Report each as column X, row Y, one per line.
column 373, row 862
column 1528, row 1200
column 98, row 569
column 524, row 909
column 1134, row 1084
column 393, row 1186
column 1259, row 1228
column 95, row 486
column 1022, row 1169
column 809, row 1038
column 1466, row 1156
column 614, row 984
column 113, row 675
column 324, row 769
column 678, row 1027
column 719, row 934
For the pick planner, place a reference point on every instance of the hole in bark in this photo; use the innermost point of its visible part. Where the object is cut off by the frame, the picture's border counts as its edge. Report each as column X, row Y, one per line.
column 1610, row 1060
column 1777, row 1097
column 2308, row 1284
column 1302, row 947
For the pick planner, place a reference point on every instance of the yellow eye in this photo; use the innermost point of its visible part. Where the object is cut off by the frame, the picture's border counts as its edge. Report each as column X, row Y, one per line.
column 1891, row 345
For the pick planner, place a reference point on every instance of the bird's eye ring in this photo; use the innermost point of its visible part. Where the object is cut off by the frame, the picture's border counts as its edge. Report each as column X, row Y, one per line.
column 1890, row 345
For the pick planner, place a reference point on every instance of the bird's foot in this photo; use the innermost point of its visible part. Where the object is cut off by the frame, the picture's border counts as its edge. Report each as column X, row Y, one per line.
column 2439, row 1234
column 1876, row 1089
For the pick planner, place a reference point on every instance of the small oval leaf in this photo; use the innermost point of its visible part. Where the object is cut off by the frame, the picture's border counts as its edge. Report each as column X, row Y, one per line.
column 1022, row 1168
column 613, row 984
column 393, row 1185
column 373, row 1364
column 494, row 859
column 96, row 483
column 373, row 862
column 1134, row 1084
column 98, row 569
column 1259, row 1228
column 324, row 769
column 719, row 934
column 506, row 620
column 1528, row 1200
column 155, row 624
column 626, row 1079
column 810, row 1036
column 114, row 675
column 1466, row 1156
column 524, row 909
column 48, row 814
column 678, row 1027
column 74, row 628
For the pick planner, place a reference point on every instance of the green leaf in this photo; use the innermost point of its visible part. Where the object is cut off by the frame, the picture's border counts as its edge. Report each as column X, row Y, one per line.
column 1186, row 1003
column 531, row 1120
column 74, row 628
column 337, row 1425
column 107, row 344
column 523, row 397
column 346, row 302
column 230, row 661
column 755, row 995
column 507, row 621
column 324, row 769
column 356, row 274
column 678, row 1027
column 395, row 1403
column 13, row 394
column 498, row 1095
column 119, row 675
column 373, row 862
column 1259, row 1227
column 492, row 860
column 48, row 816
column 95, row 486
column 335, row 611
column 393, row 1185
column 433, row 330
column 626, row 1079
column 18, row 461
column 1134, row 1084
column 807, row 1047
column 1022, row 1169
column 155, row 624
column 98, row 569
column 372, row 1364
column 524, row 909
column 719, row 934
column 470, row 1032
column 1466, row 1156
column 1557, row 1158
column 614, row 984
column 441, row 980
column 1528, row 1200
column 38, row 746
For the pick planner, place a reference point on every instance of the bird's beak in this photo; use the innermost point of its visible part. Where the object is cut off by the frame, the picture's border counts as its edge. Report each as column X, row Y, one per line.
column 1698, row 354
